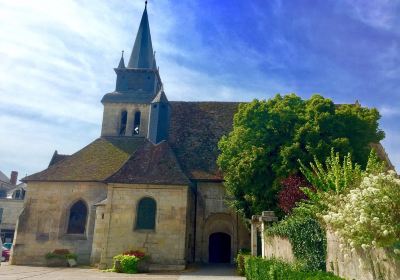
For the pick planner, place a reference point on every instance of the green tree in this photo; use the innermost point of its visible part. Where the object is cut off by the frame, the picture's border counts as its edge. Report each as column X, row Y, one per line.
column 269, row 137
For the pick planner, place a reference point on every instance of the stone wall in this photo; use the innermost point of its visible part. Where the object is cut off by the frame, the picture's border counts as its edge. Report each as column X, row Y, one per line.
column 42, row 225
column 359, row 265
column 112, row 118
column 349, row 265
column 116, row 232
column 11, row 210
column 213, row 215
column 278, row 247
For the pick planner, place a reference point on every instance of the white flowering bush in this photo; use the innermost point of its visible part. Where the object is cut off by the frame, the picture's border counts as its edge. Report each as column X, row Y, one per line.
column 368, row 216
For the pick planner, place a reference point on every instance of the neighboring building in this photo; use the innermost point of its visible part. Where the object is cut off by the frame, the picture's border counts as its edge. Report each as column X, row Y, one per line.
column 11, row 204
column 150, row 182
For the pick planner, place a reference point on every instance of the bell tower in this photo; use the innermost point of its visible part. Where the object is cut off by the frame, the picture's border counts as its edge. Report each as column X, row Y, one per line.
column 127, row 108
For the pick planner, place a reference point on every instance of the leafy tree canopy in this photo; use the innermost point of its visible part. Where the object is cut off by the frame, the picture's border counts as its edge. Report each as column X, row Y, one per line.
column 269, row 137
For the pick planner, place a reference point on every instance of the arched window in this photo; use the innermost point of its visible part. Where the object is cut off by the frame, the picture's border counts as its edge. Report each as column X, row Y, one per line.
column 122, row 128
column 146, row 214
column 77, row 217
column 136, row 123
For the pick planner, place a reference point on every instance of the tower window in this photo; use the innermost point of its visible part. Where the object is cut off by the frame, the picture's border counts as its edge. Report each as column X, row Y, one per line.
column 146, row 214
column 122, row 129
column 136, row 123
column 77, row 218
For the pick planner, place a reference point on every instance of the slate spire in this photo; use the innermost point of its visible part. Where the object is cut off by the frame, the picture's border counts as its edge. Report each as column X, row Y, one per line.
column 142, row 53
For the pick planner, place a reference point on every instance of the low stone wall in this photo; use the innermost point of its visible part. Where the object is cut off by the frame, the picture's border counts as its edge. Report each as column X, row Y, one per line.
column 379, row 265
column 278, row 247
column 358, row 265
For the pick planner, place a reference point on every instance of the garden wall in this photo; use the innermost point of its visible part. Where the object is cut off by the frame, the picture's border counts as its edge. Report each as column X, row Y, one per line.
column 356, row 266
column 359, row 265
column 278, row 247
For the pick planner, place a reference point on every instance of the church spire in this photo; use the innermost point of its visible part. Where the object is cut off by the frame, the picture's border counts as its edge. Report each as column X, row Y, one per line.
column 142, row 53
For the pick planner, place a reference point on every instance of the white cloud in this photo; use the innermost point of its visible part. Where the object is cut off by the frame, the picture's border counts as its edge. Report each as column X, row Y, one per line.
column 389, row 111
column 381, row 14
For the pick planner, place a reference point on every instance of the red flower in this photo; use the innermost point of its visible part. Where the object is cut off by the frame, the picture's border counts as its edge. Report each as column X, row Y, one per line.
column 136, row 253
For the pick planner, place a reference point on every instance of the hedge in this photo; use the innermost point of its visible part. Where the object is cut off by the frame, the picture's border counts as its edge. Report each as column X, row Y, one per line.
column 257, row 268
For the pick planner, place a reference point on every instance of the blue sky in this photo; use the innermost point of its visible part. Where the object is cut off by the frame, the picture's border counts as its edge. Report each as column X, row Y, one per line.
column 56, row 60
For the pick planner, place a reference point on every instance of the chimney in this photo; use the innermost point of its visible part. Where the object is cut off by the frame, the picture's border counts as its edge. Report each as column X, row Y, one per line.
column 14, row 178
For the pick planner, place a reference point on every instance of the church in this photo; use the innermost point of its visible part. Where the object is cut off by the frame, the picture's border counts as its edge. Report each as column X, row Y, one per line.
column 150, row 181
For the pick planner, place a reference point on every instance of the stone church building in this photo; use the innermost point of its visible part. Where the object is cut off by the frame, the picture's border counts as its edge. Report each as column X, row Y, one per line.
column 150, row 182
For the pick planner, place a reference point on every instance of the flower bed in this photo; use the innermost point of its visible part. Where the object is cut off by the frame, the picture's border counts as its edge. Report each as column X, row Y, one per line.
column 59, row 258
column 132, row 261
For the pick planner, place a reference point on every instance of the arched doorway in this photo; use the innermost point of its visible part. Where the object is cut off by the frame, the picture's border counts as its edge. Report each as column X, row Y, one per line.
column 219, row 248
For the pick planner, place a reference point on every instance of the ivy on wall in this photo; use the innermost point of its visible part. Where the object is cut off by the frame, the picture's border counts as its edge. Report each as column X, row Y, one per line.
column 307, row 238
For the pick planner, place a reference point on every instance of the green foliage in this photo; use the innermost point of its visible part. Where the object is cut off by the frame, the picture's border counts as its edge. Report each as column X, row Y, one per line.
column 243, row 253
column 334, row 178
column 125, row 264
column 274, row 269
column 61, row 254
column 306, row 237
column 269, row 137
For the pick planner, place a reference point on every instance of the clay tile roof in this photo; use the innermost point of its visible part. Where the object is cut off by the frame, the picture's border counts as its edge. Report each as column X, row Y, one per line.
column 151, row 164
column 195, row 129
column 57, row 158
column 95, row 162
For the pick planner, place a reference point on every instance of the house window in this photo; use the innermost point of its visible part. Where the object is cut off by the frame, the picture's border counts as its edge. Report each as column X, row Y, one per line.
column 1, row 215
column 146, row 214
column 122, row 128
column 77, row 218
column 17, row 194
column 3, row 194
column 136, row 123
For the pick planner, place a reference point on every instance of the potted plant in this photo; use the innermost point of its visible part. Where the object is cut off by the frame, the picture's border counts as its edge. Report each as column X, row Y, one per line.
column 60, row 258
column 143, row 260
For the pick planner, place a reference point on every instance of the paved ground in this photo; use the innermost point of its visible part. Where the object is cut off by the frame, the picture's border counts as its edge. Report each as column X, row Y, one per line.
column 12, row 272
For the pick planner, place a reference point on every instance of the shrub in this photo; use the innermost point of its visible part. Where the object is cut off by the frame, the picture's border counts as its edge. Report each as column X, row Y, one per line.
column 274, row 269
column 369, row 215
column 125, row 264
column 240, row 260
column 291, row 193
column 307, row 238
column 335, row 176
